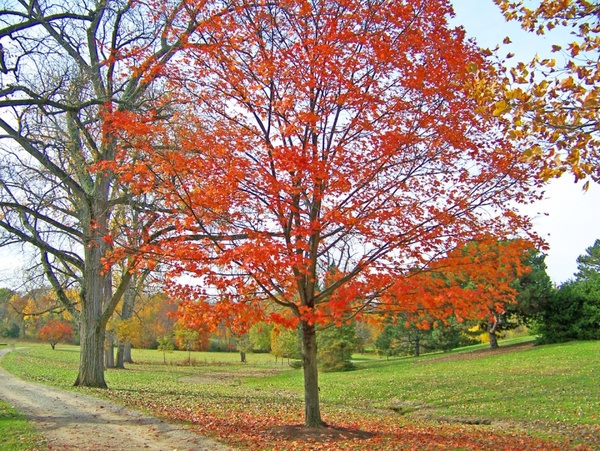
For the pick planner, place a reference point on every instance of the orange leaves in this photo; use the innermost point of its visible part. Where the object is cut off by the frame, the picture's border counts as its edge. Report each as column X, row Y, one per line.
column 301, row 138
column 55, row 331
column 275, row 426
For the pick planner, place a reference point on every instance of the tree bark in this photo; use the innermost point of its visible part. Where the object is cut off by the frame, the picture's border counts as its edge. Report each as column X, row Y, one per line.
column 109, row 351
column 120, row 362
column 127, row 353
column 91, row 362
column 417, row 345
column 124, row 348
column 312, row 411
column 97, row 290
column 492, row 327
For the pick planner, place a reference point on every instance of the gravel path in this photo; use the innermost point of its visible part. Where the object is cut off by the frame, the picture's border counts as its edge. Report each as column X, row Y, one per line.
column 74, row 421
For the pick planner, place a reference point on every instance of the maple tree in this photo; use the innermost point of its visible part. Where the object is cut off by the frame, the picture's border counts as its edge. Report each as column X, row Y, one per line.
column 490, row 268
column 54, row 331
column 314, row 155
column 556, row 99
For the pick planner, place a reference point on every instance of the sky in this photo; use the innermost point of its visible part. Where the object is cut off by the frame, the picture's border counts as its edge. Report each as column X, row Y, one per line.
column 568, row 219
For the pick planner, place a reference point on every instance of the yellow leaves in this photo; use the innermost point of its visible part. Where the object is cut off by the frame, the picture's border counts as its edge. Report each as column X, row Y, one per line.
column 501, row 107
column 548, row 62
column 472, row 68
column 531, row 153
column 540, row 89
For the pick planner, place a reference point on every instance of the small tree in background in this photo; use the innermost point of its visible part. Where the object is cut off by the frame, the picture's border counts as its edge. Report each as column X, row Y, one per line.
column 187, row 339
column 573, row 311
column 366, row 334
column 55, row 331
column 165, row 345
column 260, row 336
column 588, row 264
column 285, row 343
column 335, row 346
column 243, row 344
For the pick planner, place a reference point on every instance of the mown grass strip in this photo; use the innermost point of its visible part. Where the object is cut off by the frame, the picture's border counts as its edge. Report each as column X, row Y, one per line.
column 16, row 432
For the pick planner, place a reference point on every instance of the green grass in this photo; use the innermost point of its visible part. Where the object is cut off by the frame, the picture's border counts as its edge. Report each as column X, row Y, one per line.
column 547, row 383
column 553, row 384
column 16, row 433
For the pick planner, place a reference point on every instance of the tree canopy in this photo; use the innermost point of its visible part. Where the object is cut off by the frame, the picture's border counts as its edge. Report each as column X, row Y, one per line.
column 302, row 136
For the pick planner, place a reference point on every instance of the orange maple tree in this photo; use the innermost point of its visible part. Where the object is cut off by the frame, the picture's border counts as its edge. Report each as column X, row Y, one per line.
column 54, row 331
column 311, row 155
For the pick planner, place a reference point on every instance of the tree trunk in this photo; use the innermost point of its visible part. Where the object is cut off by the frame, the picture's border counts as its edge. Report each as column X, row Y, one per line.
column 91, row 361
column 492, row 326
column 417, row 346
column 109, row 351
column 120, row 362
column 312, row 412
column 97, row 289
column 243, row 356
column 124, row 349
column 123, row 355
column 127, row 353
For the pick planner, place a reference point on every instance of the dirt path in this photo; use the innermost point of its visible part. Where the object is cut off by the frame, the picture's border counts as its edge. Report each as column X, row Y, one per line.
column 74, row 421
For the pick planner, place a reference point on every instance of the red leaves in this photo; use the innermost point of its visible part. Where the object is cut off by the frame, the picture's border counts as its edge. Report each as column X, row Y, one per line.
column 55, row 331
column 258, row 429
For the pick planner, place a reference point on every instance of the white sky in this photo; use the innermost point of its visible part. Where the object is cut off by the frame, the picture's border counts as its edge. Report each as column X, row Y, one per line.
column 573, row 217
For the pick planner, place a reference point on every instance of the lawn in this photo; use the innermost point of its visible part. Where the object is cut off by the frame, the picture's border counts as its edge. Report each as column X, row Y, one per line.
column 16, row 433
column 544, row 397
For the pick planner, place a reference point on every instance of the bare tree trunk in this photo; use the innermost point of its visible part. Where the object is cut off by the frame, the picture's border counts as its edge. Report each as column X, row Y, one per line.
column 120, row 362
column 91, row 363
column 312, row 411
column 127, row 353
column 124, row 348
column 97, row 290
column 109, row 351
column 417, row 345
column 492, row 327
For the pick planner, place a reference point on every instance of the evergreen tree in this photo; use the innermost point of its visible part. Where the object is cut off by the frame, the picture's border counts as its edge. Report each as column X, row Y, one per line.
column 589, row 263
column 335, row 346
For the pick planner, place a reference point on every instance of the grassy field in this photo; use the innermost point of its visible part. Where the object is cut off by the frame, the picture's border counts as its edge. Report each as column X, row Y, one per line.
column 550, row 391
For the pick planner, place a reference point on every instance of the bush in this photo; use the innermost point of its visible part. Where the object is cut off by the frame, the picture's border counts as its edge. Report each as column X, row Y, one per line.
column 573, row 312
column 335, row 346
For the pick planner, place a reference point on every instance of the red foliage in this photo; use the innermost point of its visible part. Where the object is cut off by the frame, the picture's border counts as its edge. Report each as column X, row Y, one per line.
column 343, row 142
column 257, row 431
column 55, row 331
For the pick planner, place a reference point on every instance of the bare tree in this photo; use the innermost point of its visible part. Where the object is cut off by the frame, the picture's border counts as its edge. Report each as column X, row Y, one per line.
column 66, row 64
